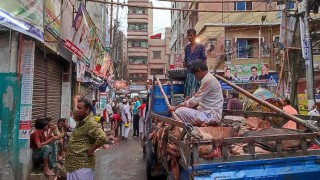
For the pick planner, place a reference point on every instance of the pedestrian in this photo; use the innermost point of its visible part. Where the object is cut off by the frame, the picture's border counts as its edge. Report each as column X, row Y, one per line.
column 142, row 116
column 193, row 51
column 64, row 131
column 290, row 110
column 208, row 100
column 116, row 123
column 315, row 111
column 125, row 116
column 136, row 116
column 234, row 103
column 109, row 111
column 42, row 151
column 85, row 139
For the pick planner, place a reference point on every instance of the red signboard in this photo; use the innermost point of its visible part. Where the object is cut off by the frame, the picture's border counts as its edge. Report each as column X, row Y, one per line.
column 73, row 48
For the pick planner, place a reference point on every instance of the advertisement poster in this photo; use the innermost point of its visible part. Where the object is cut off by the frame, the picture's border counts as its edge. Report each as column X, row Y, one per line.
column 84, row 41
column 23, row 16
column 303, row 104
column 103, row 100
column 81, row 68
column 247, row 73
column 178, row 63
column 52, row 22
column 27, row 68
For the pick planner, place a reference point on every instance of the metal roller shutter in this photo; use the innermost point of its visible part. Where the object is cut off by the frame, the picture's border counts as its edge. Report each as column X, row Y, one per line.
column 47, row 87
column 39, row 84
column 54, row 88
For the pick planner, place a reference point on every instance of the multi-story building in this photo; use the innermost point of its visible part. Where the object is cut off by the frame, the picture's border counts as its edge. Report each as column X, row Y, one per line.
column 159, row 53
column 137, row 38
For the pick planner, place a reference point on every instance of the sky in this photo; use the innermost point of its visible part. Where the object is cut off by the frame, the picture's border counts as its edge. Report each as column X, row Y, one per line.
column 161, row 18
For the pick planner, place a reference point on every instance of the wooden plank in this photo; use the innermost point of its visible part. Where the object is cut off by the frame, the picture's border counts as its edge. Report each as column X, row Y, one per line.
column 265, row 114
column 279, row 147
column 177, row 142
column 168, row 120
column 270, row 138
column 182, row 134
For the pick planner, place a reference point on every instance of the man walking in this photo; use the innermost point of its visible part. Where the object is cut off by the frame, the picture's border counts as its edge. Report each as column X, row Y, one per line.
column 125, row 116
column 85, row 139
column 136, row 117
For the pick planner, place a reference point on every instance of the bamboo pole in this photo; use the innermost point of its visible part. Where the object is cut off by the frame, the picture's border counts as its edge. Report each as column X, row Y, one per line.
column 174, row 115
column 268, row 105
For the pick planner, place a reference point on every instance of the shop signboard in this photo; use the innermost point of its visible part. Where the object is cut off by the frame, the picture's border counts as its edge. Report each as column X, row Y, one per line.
column 138, row 88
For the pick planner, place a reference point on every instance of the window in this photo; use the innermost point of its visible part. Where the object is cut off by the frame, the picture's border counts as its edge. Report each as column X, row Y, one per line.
column 137, row 10
column 138, row 27
column 242, row 6
column 137, row 43
column 138, row 60
column 138, row 76
column 156, row 54
column 156, row 71
column 245, row 47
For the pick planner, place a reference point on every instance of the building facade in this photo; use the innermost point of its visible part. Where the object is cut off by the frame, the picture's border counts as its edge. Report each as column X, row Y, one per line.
column 137, row 42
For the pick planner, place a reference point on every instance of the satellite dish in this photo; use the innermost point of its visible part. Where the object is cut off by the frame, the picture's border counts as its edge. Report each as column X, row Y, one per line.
column 209, row 47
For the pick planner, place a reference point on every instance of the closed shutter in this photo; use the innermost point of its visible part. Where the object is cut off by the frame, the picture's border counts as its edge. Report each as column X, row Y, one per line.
column 39, row 84
column 54, row 88
column 46, row 95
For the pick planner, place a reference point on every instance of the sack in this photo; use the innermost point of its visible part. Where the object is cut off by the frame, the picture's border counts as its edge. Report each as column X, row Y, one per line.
column 126, row 125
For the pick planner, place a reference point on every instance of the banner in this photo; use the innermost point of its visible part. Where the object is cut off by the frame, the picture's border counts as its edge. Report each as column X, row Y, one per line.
column 178, row 63
column 52, row 23
column 23, row 16
column 85, row 43
column 248, row 73
column 27, row 69
column 81, row 68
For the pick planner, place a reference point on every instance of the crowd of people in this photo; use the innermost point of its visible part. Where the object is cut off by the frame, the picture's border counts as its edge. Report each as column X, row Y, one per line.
column 70, row 147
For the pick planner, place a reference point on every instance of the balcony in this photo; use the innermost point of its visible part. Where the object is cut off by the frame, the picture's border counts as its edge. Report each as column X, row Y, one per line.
column 137, row 50
column 137, row 37
column 138, row 16
column 137, row 33
column 134, row 20
column 137, row 53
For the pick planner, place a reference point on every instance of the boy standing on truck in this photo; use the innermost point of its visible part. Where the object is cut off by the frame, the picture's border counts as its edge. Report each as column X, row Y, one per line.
column 208, row 101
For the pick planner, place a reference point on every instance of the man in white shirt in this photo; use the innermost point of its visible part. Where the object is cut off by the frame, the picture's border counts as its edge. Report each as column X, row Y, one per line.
column 125, row 116
column 315, row 111
column 208, row 100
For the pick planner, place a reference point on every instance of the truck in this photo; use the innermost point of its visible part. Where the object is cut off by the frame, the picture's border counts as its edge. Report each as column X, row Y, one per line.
column 280, row 162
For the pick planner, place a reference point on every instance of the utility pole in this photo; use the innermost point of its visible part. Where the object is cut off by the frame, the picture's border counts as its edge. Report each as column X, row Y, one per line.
column 306, row 49
column 116, row 43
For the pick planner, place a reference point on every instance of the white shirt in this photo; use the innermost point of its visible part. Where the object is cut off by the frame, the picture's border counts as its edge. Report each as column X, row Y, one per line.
column 209, row 96
column 109, row 109
column 314, row 112
column 125, row 110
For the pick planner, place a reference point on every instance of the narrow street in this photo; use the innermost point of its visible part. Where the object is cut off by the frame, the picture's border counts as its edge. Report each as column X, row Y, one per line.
column 123, row 161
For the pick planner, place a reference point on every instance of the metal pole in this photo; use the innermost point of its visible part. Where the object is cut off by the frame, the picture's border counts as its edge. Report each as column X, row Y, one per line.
column 268, row 105
column 306, row 50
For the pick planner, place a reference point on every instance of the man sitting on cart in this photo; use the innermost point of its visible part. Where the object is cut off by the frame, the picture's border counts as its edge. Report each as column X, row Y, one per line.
column 205, row 107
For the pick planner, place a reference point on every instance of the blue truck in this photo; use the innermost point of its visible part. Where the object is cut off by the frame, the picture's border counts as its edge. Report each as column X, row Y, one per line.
column 302, row 162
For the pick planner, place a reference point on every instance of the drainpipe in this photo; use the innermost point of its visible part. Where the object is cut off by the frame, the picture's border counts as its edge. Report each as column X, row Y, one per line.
column 13, row 42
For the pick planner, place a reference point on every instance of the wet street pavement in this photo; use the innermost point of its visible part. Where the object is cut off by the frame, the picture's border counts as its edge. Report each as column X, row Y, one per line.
column 121, row 162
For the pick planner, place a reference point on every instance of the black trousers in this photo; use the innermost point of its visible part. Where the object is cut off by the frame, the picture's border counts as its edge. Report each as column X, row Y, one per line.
column 136, row 125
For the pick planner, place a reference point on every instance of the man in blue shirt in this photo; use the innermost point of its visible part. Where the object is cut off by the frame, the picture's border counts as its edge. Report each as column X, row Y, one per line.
column 193, row 51
column 136, row 117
